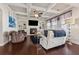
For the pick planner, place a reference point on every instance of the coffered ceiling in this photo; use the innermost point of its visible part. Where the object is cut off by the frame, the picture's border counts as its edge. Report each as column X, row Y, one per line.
column 48, row 10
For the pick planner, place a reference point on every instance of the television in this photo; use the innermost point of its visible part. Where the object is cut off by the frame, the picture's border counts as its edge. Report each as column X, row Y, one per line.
column 33, row 23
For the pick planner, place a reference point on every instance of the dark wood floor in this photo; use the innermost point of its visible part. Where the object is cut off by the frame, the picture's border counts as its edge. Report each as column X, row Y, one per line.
column 28, row 48
column 23, row 48
column 62, row 50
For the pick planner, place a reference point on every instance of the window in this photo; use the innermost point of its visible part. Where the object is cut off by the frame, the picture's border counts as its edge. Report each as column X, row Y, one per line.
column 68, row 15
column 54, row 23
column 65, row 16
column 62, row 19
column 48, row 24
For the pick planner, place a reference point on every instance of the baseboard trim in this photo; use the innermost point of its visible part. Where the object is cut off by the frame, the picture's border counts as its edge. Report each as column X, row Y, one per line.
column 2, row 44
column 75, row 42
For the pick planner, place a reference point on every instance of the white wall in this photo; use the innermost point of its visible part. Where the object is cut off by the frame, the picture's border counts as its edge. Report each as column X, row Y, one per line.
column 74, row 38
column 75, row 12
column 20, row 21
column 24, row 20
column 4, row 23
column 6, row 12
column 1, row 37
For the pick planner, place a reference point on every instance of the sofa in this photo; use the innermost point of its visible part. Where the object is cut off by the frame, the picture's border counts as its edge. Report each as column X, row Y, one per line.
column 52, row 38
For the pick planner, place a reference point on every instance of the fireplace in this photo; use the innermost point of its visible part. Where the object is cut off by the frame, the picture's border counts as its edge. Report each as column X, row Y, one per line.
column 33, row 30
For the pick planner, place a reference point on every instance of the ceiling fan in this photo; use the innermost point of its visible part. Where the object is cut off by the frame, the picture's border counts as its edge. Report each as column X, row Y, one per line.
column 36, row 14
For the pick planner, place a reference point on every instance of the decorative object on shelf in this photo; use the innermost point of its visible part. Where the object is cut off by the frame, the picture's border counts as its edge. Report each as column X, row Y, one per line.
column 24, row 26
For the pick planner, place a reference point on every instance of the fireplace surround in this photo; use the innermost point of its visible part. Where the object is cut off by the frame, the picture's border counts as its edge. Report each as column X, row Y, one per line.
column 33, row 30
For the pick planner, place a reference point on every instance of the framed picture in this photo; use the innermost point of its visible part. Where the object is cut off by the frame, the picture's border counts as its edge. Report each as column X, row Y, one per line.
column 12, row 22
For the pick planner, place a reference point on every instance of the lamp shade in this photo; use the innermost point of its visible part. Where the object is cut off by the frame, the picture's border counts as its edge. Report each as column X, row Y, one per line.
column 70, row 21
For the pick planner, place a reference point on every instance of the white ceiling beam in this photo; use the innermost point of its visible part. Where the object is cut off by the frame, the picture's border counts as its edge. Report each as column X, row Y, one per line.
column 66, row 9
column 46, row 16
column 16, row 12
column 47, row 10
column 53, row 11
column 38, row 8
column 29, row 9
column 17, row 4
column 51, row 6
column 21, row 13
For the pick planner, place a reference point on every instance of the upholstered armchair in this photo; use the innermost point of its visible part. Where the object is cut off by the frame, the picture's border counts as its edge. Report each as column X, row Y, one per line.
column 20, row 36
column 52, row 38
column 17, row 37
column 13, row 35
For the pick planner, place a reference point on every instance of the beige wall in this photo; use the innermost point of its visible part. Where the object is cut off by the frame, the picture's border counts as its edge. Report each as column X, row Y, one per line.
column 75, row 28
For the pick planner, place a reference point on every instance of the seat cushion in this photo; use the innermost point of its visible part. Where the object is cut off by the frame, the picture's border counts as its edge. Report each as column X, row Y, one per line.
column 35, row 39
